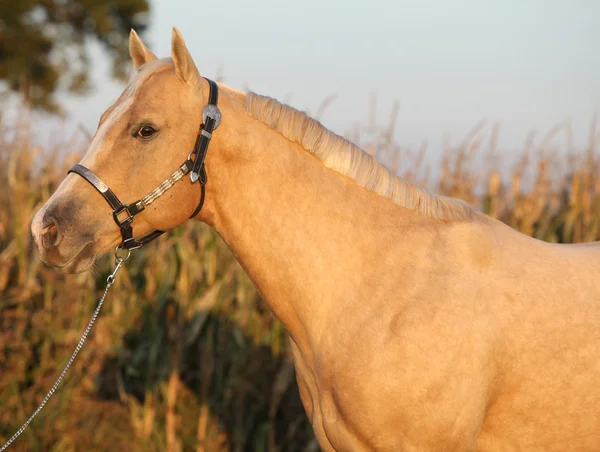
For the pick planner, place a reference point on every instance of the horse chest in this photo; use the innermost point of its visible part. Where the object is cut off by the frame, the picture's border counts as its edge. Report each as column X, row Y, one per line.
column 392, row 392
column 327, row 420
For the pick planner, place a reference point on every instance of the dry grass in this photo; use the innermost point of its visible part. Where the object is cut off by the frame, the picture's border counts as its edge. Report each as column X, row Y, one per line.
column 185, row 355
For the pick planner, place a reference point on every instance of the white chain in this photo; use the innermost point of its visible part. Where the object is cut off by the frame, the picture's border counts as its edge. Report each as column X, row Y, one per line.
column 109, row 282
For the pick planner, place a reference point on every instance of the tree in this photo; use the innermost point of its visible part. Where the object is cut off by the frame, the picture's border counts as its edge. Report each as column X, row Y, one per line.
column 43, row 44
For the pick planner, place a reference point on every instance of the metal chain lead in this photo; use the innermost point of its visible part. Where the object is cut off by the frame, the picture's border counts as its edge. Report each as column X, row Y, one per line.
column 109, row 282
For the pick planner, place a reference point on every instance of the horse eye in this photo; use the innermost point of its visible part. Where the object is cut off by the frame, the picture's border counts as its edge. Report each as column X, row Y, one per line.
column 146, row 132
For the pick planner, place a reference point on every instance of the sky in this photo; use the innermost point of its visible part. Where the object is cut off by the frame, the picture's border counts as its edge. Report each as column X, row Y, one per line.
column 527, row 64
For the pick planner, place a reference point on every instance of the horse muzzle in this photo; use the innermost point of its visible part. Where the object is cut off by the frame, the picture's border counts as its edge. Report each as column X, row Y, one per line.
column 62, row 242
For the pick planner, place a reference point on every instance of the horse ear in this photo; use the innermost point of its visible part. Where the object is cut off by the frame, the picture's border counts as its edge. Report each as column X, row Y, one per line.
column 184, row 64
column 140, row 54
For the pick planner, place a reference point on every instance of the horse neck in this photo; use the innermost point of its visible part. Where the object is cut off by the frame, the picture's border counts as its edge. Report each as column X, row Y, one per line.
column 303, row 233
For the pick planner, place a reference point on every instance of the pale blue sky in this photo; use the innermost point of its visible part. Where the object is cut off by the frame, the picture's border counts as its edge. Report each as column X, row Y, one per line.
column 528, row 64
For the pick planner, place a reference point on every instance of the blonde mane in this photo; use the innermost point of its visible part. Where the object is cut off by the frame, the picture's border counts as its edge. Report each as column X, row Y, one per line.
column 346, row 158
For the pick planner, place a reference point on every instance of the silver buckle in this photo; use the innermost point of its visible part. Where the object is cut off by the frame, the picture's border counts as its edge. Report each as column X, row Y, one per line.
column 213, row 112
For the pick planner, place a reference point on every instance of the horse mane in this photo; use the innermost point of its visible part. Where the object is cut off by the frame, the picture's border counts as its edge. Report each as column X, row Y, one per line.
column 346, row 158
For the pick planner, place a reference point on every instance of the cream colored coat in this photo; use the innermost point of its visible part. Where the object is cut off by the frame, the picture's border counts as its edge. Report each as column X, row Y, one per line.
column 416, row 324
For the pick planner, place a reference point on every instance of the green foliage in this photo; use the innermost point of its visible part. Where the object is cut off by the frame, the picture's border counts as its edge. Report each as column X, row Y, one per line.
column 42, row 43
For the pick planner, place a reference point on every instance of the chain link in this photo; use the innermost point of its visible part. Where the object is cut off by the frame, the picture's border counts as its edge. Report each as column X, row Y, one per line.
column 119, row 260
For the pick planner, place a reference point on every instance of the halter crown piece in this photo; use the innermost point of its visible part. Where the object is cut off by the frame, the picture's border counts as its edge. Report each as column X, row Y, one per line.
column 123, row 214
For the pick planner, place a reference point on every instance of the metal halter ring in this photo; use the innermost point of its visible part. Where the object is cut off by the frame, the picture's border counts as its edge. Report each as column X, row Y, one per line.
column 121, row 254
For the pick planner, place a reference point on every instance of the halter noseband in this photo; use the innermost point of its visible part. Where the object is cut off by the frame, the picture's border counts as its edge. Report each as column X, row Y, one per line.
column 123, row 214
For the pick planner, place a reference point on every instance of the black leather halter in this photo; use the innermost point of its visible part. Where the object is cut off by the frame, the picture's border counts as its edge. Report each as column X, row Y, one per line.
column 123, row 214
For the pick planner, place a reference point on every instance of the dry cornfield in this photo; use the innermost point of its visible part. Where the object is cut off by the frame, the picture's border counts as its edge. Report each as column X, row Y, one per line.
column 185, row 355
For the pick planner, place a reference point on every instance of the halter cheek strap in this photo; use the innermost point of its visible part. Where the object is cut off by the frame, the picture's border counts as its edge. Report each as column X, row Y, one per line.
column 123, row 214
column 211, row 118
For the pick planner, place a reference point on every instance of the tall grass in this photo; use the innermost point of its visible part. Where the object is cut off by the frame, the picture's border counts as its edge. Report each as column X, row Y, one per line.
column 185, row 355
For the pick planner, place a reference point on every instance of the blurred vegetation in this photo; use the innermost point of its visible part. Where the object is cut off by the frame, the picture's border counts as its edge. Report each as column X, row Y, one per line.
column 42, row 44
column 185, row 355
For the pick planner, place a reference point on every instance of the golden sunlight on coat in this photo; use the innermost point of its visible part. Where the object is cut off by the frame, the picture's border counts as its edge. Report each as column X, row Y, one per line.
column 417, row 323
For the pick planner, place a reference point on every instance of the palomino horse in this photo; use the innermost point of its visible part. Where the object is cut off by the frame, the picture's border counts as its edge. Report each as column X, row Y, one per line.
column 416, row 323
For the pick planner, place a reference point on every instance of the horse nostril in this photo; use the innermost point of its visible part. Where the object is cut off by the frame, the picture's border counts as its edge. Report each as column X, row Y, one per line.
column 49, row 233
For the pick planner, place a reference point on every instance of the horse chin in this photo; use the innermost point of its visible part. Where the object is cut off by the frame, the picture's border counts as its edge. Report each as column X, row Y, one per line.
column 79, row 263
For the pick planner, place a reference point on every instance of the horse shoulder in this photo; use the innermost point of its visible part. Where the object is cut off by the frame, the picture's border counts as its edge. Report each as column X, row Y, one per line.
column 416, row 357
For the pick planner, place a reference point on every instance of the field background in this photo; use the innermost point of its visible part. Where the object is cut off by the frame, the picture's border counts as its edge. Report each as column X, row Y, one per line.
column 185, row 355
